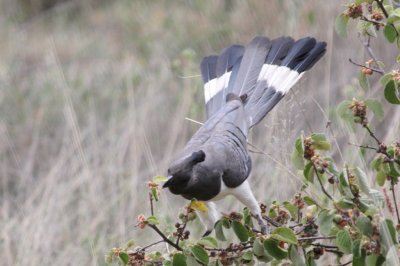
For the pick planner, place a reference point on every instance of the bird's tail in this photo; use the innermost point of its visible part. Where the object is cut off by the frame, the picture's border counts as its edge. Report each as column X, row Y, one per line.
column 264, row 70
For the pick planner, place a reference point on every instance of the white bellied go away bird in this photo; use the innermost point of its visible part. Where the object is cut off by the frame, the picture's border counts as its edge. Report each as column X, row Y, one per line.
column 241, row 85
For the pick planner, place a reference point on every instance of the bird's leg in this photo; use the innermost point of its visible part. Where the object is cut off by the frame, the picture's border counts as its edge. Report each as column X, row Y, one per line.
column 265, row 229
column 245, row 195
column 209, row 217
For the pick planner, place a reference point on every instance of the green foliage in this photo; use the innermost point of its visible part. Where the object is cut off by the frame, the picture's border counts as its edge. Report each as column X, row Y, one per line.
column 341, row 25
column 200, row 254
column 124, row 257
column 390, row 33
column 391, row 92
column 272, row 248
column 344, row 242
column 340, row 216
column 240, row 231
column 284, row 234
column 179, row 260
column 208, row 241
column 375, row 107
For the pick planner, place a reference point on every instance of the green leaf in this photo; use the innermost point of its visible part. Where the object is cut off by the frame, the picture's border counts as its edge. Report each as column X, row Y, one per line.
column 124, row 257
column 366, row 28
column 247, row 218
column 324, row 221
column 154, row 193
column 374, row 260
column 293, row 210
column 272, row 213
column 226, row 223
column 344, row 242
column 295, row 257
column 376, row 164
column 320, row 142
column 299, row 145
column 219, row 231
column 130, row 243
column 271, row 246
column 344, row 112
column 309, row 201
column 359, row 2
column 310, row 260
column 341, row 25
column 298, row 154
column 179, row 260
column 388, row 232
column 160, row 179
column 380, row 178
column 358, row 253
column 390, row 33
column 191, row 261
column 332, row 167
column 375, row 107
column 248, row 256
column 363, row 81
column 258, row 248
column 167, row 263
column 364, row 225
column 344, row 204
column 385, row 79
column 200, row 254
column 394, row 169
column 392, row 257
column 357, row 248
column 285, row 234
column 265, row 259
column 344, row 188
column 391, row 93
column 240, row 231
column 208, row 241
column 152, row 220
column 362, row 180
column 309, row 172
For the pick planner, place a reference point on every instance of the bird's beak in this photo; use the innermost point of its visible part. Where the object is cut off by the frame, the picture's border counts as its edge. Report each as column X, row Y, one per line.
column 168, row 182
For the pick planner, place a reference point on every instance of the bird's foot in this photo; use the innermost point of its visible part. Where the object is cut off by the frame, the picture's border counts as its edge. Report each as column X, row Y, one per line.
column 265, row 228
column 207, row 232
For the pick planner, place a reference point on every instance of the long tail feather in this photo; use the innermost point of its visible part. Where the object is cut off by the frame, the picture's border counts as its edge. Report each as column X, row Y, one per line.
column 264, row 70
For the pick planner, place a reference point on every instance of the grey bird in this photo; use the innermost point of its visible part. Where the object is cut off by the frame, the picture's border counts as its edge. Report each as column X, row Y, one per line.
column 241, row 85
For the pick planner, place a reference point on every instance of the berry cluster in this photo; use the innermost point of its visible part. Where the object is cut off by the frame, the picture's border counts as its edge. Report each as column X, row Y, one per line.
column 309, row 149
column 180, row 232
column 137, row 257
column 298, row 201
column 359, row 110
column 353, row 11
column 141, row 221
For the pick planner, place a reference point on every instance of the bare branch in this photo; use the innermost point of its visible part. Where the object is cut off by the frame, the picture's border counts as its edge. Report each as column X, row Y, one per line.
column 166, row 240
column 392, row 184
column 367, row 46
column 320, row 182
column 151, row 204
column 382, row 7
column 315, row 238
column 380, row 71
column 152, row 244
column 364, row 146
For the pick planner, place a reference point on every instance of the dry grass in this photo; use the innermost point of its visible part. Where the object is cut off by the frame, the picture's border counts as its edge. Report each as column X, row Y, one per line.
column 93, row 101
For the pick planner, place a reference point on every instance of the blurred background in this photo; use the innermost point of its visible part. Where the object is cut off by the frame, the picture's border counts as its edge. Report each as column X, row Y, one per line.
column 93, row 100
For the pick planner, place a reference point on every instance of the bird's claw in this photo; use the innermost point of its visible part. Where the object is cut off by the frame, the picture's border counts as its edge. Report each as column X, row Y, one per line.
column 265, row 228
column 207, row 233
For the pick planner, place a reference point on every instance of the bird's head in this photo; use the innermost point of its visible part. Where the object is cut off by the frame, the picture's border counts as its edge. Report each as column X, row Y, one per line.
column 180, row 171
